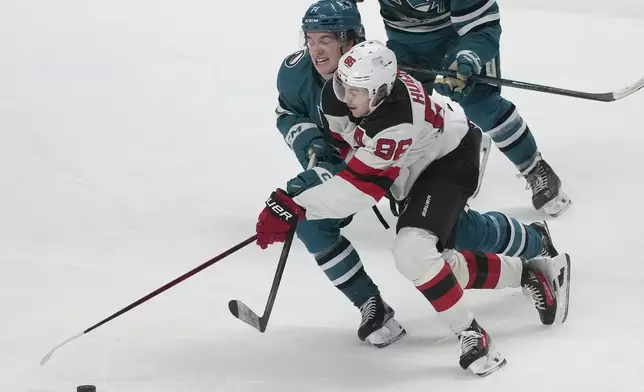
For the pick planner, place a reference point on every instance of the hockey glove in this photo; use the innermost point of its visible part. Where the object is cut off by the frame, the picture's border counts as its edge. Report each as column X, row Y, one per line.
column 311, row 141
column 467, row 64
column 277, row 218
column 310, row 178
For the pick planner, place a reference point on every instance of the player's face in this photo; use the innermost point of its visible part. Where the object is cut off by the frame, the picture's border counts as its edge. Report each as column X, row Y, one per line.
column 326, row 50
column 357, row 100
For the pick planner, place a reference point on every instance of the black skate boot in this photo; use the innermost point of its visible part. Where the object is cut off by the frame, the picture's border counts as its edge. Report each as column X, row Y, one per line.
column 547, row 280
column 476, row 351
column 548, row 248
column 378, row 326
column 546, row 189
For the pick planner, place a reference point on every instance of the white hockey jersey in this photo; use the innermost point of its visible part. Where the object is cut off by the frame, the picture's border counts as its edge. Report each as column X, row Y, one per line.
column 390, row 148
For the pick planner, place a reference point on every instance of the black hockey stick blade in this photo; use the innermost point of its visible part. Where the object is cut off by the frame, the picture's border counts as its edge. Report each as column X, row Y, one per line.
column 246, row 314
column 601, row 97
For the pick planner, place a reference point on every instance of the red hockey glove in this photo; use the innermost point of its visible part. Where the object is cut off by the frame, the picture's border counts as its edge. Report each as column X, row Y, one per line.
column 277, row 218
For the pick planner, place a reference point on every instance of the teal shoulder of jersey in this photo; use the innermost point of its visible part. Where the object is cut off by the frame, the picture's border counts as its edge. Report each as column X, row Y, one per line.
column 298, row 114
column 296, row 72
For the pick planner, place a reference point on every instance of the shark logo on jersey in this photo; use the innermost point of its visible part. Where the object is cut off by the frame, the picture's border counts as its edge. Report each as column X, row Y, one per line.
column 428, row 5
column 422, row 5
column 292, row 60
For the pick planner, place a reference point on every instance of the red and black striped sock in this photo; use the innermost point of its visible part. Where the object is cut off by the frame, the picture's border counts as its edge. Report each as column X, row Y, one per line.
column 484, row 269
column 443, row 290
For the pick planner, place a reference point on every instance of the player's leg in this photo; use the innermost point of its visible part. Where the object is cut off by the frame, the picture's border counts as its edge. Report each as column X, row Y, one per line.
column 545, row 279
column 501, row 120
column 341, row 263
column 496, row 232
column 432, row 209
column 540, row 270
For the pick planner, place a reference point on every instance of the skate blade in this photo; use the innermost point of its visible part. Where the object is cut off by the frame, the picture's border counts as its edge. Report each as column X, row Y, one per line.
column 488, row 364
column 486, row 143
column 561, row 281
column 390, row 333
column 555, row 254
column 557, row 206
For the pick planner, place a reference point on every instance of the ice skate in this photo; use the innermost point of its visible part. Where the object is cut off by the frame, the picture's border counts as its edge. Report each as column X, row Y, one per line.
column 548, row 249
column 476, row 351
column 378, row 326
column 546, row 189
column 547, row 280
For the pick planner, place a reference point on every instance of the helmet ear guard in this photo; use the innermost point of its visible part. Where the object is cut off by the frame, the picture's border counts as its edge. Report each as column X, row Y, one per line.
column 379, row 96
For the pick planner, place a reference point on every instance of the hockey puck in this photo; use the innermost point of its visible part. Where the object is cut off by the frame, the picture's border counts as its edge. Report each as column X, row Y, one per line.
column 86, row 388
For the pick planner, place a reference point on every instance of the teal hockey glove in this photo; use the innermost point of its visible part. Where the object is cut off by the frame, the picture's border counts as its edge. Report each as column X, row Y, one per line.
column 311, row 141
column 467, row 64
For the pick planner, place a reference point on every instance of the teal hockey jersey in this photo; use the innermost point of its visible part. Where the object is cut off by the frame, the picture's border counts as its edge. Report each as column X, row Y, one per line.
column 298, row 112
column 470, row 24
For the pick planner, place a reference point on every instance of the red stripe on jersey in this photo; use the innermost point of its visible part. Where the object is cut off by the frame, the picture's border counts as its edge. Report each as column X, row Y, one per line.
column 367, row 187
column 344, row 151
column 342, row 144
column 493, row 271
column 433, row 112
column 362, row 168
column 443, row 290
column 374, row 182
column 471, row 267
column 337, row 137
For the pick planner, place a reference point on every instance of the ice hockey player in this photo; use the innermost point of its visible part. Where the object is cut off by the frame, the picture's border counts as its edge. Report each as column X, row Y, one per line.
column 423, row 153
column 463, row 35
column 331, row 28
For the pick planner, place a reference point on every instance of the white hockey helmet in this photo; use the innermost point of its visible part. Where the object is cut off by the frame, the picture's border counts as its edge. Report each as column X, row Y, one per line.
column 370, row 65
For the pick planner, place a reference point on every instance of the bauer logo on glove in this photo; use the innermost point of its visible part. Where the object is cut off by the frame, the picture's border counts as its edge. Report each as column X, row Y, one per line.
column 279, row 215
column 278, row 210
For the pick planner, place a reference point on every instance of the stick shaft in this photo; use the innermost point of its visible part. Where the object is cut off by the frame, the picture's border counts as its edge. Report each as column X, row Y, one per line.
column 174, row 282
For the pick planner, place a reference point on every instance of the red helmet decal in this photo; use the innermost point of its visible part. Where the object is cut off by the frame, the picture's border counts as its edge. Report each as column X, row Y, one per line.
column 349, row 61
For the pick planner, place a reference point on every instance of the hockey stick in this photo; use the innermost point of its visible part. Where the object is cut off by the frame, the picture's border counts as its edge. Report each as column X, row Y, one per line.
column 602, row 97
column 381, row 218
column 246, row 314
column 153, row 294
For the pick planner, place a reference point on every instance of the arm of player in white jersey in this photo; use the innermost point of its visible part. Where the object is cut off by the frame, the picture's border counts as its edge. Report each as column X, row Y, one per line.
column 366, row 179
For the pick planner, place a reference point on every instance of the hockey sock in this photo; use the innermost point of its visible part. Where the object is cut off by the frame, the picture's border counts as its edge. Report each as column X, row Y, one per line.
column 341, row 264
column 513, row 237
column 513, row 137
column 479, row 270
column 445, row 293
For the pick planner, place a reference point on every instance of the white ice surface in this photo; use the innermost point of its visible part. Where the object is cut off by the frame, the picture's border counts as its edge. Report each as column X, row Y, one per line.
column 137, row 141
